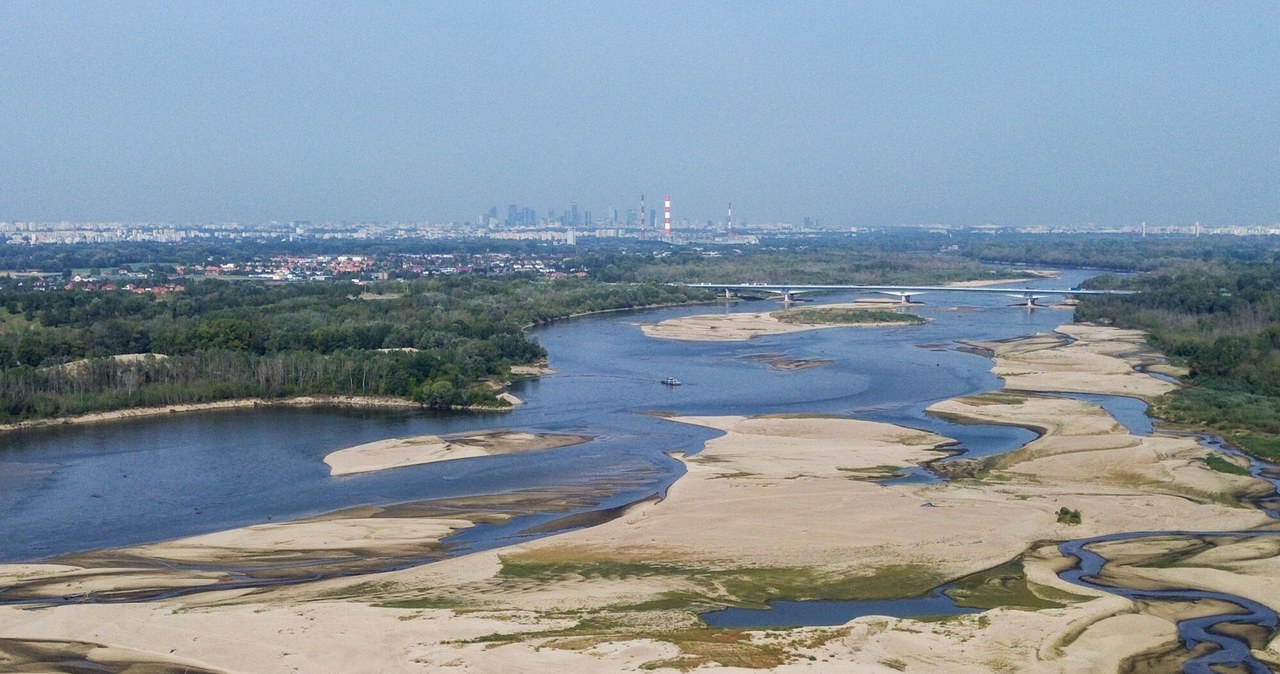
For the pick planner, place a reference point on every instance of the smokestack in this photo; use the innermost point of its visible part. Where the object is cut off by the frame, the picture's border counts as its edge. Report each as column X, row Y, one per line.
column 730, row 219
column 666, row 217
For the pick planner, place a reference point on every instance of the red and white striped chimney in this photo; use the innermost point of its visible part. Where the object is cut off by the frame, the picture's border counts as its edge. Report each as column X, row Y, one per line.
column 666, row 217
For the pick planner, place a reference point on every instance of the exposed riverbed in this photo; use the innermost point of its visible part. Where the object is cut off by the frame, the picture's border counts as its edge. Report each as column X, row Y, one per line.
column 78, row 488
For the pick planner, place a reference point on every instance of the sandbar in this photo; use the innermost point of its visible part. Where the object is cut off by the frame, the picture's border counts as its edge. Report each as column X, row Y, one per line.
column 399, row 452
column 737, row 327
column 1097, row 359
column 777, row 507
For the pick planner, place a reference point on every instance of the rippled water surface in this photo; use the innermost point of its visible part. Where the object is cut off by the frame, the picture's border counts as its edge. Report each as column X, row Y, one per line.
column 87, row 487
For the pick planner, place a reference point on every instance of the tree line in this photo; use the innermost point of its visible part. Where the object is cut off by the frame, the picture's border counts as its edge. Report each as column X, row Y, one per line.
column 1222, row 319
column 439, row 341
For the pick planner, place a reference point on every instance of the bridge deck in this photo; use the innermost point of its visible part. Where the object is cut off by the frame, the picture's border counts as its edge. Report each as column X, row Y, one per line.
column 788, row 289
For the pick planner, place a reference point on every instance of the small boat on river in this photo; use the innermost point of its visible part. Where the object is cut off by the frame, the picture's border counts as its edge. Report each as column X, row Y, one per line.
column 671, row 381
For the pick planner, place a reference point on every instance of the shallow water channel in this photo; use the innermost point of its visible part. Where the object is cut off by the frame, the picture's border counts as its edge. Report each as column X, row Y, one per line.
column 1229, row 648
column 74, row 489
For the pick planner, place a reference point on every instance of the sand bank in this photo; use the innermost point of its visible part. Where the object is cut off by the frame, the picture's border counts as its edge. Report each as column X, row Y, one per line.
column 531, row 370
column 774, row 508
column 980, row 283
column 737, row 327
column 397, row 452
column 1099, row 360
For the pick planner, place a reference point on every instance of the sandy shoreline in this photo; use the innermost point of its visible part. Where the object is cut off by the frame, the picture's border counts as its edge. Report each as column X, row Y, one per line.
column 371, row 402
column 238, row 403
column 777, row 507
column 1039, row 275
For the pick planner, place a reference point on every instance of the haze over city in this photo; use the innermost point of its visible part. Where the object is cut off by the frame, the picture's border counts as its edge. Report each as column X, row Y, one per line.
column 853, row 114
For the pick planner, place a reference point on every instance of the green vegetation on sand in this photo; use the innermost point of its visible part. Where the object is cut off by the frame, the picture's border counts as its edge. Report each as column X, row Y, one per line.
column 830, row 316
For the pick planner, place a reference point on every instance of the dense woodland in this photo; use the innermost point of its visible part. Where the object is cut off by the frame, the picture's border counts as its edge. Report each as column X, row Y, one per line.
column 842, row 261
column 1222, row 319
column 439, row 341
column 1116, row 252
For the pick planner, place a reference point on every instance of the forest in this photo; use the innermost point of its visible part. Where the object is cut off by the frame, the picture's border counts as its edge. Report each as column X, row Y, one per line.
column 440, row 341
column 1222, row 319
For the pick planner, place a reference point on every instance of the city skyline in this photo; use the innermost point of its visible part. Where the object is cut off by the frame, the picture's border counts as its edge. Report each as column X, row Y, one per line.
column 867, row 114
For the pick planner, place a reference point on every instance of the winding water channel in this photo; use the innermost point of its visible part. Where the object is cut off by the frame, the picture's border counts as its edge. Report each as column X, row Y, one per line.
column 73, row 489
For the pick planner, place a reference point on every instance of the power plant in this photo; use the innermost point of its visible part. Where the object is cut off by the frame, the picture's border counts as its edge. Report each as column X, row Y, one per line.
column 666, row 218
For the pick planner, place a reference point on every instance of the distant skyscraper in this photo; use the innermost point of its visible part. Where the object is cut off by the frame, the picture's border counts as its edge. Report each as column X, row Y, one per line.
column 642, row 214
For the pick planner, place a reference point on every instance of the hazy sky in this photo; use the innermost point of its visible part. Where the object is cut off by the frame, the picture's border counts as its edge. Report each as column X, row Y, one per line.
column 855, row 113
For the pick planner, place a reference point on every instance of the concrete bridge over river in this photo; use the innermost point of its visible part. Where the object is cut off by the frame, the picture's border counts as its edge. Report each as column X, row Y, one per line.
column 788, row 292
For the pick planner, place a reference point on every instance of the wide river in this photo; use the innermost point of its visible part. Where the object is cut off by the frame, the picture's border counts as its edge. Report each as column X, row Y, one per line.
column 85, row 487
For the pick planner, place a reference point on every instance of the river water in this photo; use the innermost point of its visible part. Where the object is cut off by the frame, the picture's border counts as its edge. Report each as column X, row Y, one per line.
column 87, row 487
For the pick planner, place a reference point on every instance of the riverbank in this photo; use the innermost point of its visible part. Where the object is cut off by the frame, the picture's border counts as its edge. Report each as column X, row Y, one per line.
column 237, row 403
column 359, row 402
column 777, row 507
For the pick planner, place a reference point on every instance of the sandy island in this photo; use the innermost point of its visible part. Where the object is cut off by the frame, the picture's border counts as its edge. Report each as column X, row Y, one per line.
column 397, row 452
column 737, row 327
column 777, row 507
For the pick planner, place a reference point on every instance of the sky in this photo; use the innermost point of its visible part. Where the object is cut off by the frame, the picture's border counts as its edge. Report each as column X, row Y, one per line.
column 854, row 113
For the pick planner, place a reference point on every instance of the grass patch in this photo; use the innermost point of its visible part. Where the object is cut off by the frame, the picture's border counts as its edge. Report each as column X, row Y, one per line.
column 672, row 617
column 699, row 646
column 994, row 398
column 423, row 603
column 1266, row 447
column 1068, row 516
column 882, row 472
column 1249, row 421
column 737, row 475
column 820, row 316
column 726, row 648
column 1007, row 586
column 740, row 586
column 1223, row 465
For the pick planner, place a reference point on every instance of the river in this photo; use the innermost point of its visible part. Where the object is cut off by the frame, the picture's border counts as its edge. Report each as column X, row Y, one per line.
column 79, row 488
column 85, row 487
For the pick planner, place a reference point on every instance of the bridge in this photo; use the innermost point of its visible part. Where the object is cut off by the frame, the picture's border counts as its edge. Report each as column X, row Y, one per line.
column 788, row 292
